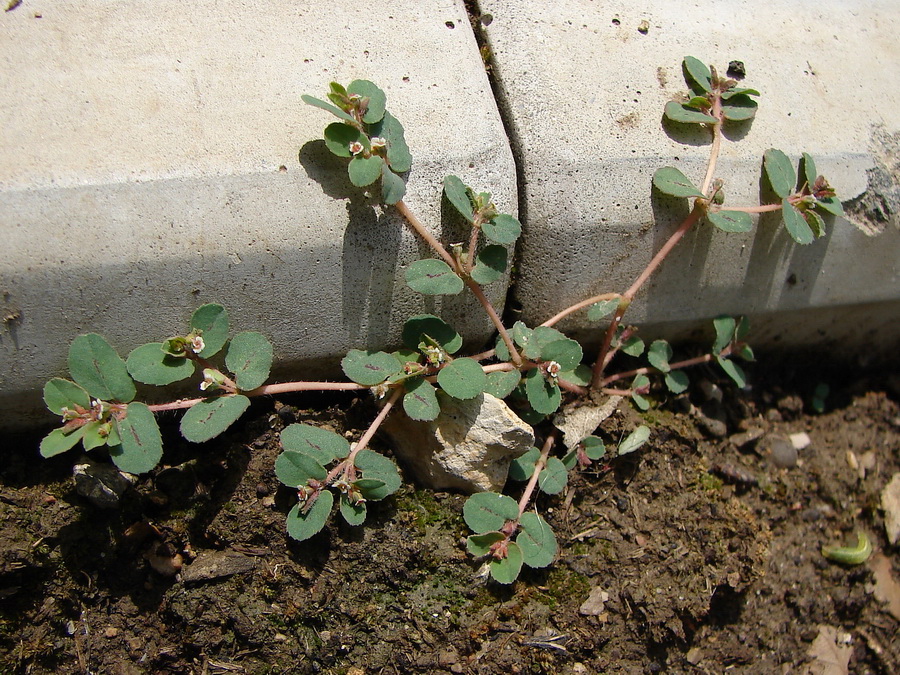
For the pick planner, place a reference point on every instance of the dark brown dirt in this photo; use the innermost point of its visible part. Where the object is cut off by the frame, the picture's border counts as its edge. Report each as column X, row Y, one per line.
column 703, row 554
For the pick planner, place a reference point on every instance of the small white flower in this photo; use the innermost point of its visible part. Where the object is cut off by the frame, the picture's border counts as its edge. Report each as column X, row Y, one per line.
column 197, row 344
column 553, row 369
column 356, row 147
column 377, row 142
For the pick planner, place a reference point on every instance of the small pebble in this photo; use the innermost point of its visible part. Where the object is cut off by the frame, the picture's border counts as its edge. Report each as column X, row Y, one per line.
column 800, row 441
column 780, row 449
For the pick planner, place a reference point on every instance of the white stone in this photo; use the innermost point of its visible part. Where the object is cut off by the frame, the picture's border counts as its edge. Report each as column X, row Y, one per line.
column 468, row 447
column 890, row 502
column 576, row 423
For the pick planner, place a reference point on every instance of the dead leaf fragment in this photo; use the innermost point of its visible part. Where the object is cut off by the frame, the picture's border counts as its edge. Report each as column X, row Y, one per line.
column 595, row 604
column 829, row 658
column 887, row 589
column 890, row 502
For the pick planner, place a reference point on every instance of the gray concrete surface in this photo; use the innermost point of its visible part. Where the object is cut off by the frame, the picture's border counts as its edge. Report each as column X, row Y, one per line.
column 154, row 159
column 584, row 89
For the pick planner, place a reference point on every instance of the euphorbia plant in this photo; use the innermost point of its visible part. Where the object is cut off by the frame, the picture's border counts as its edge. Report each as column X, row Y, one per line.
column 537, row 369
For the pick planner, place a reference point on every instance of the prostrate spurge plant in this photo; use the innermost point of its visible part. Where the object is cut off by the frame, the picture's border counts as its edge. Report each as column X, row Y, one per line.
column 537, row 369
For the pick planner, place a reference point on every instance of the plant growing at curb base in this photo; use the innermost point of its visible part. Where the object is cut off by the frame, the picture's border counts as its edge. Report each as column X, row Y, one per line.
column 539, row 370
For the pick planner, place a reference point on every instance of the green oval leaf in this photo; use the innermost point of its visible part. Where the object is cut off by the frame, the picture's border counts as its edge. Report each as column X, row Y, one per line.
column 733, row 370
column 364, row 171
column 60, row 440
column 566, row 352
column 322, row 445
column 796, row 224
column 507, row 570
column 594, row 447
column 420, row 401
column 303, row 525
column 502, row 229
column 490, row 265
column 537, row 540
column 640, row 383
column 697, row 73
column 93, row 435
column 634, row 440
column 730, row 221
column 433, row 277
column 377, row 99
column 633, row 346
column 501, row 383
column 397, row 150
column 380, row 468
column 553, row 477
column 339, row 137
column 677, row 381
column 369, row 368
column 462, row 378
column 96, row 366
column 211, row 417
column 533, row 342
column 808, row 173
column 581, row 375
column 295, row 469
column 140, row 443
column 739, row 108
column 392, row 186
column 779, row 172
column 602, row 309
column 369, row 487
column 60, row 393
column 458, row 195
column 334, row 110
column 151, row 365
column 671, row 181
column 815, row 222
column 480, row 544
column 212, row 321
column 832, row 205
column 543, row 396
column 724, row 327
column 435, row 328
column 354, row 514
column 487, row 511
column 659, row 355
column 249, row 357
column 522, row 467
column 677, row 112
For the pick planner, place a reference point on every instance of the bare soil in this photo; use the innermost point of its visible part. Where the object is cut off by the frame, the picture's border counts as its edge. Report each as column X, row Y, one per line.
column 696, row 554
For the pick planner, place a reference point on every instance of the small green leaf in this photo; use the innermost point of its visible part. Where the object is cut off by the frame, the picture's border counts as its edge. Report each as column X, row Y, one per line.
column 733, row 370
column 60, row 393
column 334, row 110
column 602, row 309
column 746, row 353
column 543, row 396
column 377, row 99
column 553, row 477
column 151, row 365
column 741, row 327
column 354, row 514
column 832, row 205
column 502, row 229
column 93, row 436
column 677, row 112
column 634, row 440
column 581, row 376
column 521, row 334
column 490, row 265
column 815, row 222
column 59, row 440
column 659, row 355
column 808, row 173
column 501, row 383
column 566, row 352
column 536, row 540
column 507, row 570
column 697, row 73
column 433, row 277
column 632, row 345
column 140, row 447
column 736, row 91
column 392, row 186
column 397, row 150
column 211, row 417
column 671, row 181
column 724, row 327
column 96, row 367
column 420, row 401
column 369, row 368
column 796, row 224
column 594, row 447
column 380, row 468
column 212, row 321
column 295, row 469
column 488, row 511
column 369, row 487
column 522, row 466
column 458, row 194
column 480, row 544
column 779, row 172
column 677, row 381
column 534, row 342
column 730, row 221
column 322, row 445
column 435, row 328
column 249, row 357
column 641, row 382
column 364, row 171
column 739, row 108
column 501, row 350
column 339, row 137
column 462, row 378
column 303, row 525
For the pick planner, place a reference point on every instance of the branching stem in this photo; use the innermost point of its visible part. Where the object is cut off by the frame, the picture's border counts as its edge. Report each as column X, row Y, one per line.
column 538, row 467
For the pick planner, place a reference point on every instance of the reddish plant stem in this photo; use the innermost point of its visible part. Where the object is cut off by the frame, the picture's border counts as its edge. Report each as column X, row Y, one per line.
column 421, row 230
column 373, row 427
column 716, row 142
column 705, row 358
column 266, row 390
column 580, row 305
column 754, row 209
column 538, row 466
column 495, row 318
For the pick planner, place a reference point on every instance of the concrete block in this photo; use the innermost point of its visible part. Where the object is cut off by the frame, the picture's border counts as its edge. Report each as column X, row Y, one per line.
column 584, row 83
column 154, row 159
